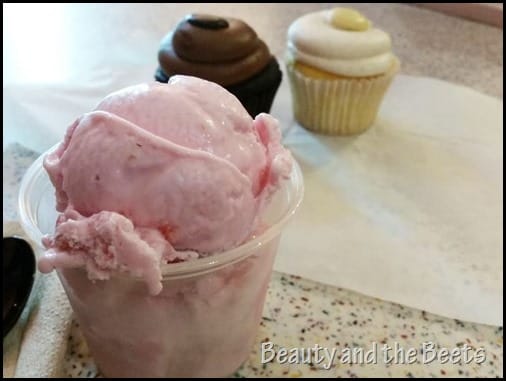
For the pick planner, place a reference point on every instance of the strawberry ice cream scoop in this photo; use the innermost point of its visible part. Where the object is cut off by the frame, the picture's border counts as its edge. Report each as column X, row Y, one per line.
column 161, row 173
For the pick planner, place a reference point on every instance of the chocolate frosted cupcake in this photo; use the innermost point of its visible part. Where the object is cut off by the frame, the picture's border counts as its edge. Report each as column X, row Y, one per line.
column 225, row 51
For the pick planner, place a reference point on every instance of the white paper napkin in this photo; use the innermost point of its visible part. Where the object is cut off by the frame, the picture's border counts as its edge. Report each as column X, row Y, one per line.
column 36, row 345
column 411, row 210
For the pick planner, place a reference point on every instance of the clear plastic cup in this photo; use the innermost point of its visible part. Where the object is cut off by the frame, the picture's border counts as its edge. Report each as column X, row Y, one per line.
column 202, row 324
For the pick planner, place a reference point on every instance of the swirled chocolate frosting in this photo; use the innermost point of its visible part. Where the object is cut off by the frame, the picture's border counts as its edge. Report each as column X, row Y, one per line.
column 225, row 51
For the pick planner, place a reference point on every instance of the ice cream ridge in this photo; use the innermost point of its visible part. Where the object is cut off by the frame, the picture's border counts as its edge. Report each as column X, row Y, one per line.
column 160, row 173
column 339, row 43
column 223, row 50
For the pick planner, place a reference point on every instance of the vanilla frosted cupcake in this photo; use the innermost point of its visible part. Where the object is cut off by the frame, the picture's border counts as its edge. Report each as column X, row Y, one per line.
column 339, row 67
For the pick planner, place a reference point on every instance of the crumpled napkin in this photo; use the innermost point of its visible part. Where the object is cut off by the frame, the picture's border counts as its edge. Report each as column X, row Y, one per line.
column 36, row 345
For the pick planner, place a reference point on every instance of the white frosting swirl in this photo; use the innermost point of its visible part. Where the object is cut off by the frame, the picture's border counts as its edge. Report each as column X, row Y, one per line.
column 313, row 40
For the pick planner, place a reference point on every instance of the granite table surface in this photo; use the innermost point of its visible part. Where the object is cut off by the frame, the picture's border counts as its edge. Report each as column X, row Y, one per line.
column 300, row 313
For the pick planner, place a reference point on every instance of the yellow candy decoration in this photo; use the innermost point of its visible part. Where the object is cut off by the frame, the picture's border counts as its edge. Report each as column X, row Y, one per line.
column 349, row 19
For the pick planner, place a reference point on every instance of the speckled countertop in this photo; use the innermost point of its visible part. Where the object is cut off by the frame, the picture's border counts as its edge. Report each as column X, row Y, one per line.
column 300, row 313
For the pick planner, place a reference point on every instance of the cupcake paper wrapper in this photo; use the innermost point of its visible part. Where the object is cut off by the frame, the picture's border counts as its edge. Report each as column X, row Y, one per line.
column 260, row 102
column 338, row 106
column 256, row 93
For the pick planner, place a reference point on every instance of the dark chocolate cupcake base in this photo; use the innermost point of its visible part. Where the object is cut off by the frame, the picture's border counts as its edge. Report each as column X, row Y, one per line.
column 256, row 93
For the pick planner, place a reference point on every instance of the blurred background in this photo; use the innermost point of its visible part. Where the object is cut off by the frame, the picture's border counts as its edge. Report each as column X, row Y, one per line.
column 60, row 59
column 51, row 43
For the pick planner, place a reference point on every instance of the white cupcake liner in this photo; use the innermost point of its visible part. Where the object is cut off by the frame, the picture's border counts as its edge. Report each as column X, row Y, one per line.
column 338, row 106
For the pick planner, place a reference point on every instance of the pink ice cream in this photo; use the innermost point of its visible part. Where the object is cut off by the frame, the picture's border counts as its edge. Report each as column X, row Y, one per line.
column 161, row 173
